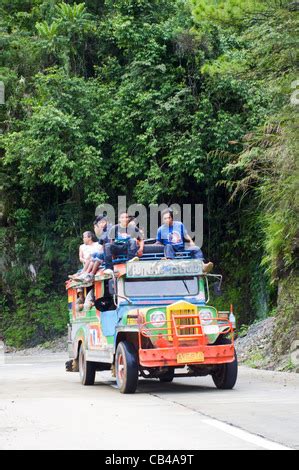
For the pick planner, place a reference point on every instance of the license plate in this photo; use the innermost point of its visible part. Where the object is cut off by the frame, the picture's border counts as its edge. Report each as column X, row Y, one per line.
column 186, row 358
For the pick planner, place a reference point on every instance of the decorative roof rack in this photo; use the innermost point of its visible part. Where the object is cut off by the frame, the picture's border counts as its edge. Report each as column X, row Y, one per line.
column 151, row 254
column 153, row 257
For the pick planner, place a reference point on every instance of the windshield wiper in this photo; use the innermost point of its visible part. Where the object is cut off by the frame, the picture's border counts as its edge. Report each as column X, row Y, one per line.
column 185, row 284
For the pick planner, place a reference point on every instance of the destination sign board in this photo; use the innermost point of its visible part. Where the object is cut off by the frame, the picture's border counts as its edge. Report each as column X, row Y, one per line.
column 164, row 268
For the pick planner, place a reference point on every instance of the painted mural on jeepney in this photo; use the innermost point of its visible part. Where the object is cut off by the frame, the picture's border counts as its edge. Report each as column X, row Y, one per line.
column 95, row 336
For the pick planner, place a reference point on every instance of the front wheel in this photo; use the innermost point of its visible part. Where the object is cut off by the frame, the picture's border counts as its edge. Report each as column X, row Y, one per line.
column 225, row 376
column 126, row 363
column 87, row 369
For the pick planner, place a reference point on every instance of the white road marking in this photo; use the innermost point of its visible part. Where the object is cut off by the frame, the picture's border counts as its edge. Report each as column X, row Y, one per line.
column 237, row 432
column 245, row 435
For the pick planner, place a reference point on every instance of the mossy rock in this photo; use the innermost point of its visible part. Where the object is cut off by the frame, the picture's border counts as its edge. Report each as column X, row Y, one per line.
column 287, row 323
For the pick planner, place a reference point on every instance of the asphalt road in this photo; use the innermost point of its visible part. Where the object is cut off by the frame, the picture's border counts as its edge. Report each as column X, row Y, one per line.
column 43, row 407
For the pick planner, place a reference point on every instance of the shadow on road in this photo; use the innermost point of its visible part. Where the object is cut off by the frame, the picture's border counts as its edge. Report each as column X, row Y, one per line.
column 155, row 387
column 150, row 386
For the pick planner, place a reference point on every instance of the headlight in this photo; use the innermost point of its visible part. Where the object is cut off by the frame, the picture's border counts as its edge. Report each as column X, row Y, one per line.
column 158, row 319
column 205, row 317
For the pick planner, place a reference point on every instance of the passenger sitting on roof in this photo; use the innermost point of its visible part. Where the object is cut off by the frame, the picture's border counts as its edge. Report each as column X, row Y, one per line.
column 88, row 248
column 123, row 240
column 102, row 228
column 172, row 234
column 89, row 251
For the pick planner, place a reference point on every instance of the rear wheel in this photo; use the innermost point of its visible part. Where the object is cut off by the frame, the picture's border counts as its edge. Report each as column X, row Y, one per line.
column 225, row 376
column 126, row 367
column 87, row 369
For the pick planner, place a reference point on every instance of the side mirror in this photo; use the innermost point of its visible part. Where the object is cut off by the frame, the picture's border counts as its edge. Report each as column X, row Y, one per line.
column 217, row 289
column 111, row 287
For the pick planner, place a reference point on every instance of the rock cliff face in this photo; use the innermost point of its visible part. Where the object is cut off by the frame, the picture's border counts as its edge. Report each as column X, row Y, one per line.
column 286, row 332
column 274, row 343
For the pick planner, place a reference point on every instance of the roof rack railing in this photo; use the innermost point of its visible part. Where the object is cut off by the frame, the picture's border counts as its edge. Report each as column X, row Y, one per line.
column 153, row 257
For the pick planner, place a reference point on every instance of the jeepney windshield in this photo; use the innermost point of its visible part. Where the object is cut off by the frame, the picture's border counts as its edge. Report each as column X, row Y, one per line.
column 167, row 287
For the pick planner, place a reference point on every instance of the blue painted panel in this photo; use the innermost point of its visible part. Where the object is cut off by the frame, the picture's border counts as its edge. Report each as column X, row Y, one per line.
column 109, row 321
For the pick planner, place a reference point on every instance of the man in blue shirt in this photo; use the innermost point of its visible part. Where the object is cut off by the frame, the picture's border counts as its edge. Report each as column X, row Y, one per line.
column 173, row 235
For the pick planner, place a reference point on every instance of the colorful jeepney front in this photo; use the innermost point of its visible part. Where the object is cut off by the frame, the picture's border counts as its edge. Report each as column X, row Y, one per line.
column 159, row 321
column 171, row 329
column 182, row 331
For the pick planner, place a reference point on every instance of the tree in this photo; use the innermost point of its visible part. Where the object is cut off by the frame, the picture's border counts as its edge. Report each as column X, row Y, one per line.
column 145, row 99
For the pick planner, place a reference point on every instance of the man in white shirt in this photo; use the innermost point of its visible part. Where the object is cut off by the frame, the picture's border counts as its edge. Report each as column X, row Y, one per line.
column 88, row 248
column 87, row 254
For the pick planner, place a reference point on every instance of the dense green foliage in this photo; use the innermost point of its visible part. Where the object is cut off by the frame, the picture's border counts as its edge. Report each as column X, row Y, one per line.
column 163, row 101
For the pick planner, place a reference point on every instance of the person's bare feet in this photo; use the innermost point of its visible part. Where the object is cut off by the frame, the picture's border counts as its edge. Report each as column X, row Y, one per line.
column 207, row 268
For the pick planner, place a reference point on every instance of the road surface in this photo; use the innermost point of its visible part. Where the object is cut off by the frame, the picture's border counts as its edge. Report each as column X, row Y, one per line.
column 43, row 407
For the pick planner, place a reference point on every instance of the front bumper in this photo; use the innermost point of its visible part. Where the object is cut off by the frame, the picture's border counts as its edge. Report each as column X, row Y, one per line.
column 173, row 357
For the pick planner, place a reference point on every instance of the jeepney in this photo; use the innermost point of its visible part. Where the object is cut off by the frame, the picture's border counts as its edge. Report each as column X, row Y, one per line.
column 159, row 325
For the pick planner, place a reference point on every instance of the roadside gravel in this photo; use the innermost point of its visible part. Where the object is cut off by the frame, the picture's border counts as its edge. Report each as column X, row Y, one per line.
column 58, row 345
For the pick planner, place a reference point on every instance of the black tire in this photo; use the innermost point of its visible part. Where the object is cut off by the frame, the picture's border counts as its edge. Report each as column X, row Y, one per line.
column 167, row 377
column 126, row 366
column 225, row 377
column 153, row 249
column 87, row 369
